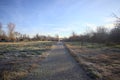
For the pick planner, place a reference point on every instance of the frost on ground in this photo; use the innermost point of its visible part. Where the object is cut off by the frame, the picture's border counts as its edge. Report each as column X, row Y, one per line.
column 59, row 65
column 19, row 59
column 101, row 63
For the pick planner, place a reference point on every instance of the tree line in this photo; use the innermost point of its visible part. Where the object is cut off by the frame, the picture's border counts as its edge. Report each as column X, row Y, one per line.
column 10, row 35
column 101, row 35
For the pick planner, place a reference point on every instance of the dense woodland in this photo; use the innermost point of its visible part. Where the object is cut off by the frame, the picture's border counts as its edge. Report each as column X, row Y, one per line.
column 101, row 35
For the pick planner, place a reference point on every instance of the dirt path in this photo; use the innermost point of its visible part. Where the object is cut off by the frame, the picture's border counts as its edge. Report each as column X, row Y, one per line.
column 59, row 65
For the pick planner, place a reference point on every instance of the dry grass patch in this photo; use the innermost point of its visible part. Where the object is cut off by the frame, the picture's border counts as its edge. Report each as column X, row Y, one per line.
column 7, row 75
column 99, row 64
column 17, row 60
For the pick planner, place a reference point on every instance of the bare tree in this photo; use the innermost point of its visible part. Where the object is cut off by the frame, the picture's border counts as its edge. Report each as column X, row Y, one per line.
column 101, row 34
column 74, row 37
column 1, row 32
column 115, row 34
column 3, row 36
column 11, row 34
column 1, row 29
column 57, row 37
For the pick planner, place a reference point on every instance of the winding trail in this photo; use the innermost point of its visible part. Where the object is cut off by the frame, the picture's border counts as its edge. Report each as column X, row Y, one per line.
column 59, row 65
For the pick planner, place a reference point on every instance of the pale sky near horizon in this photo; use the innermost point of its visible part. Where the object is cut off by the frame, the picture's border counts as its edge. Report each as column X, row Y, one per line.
column 51, row 17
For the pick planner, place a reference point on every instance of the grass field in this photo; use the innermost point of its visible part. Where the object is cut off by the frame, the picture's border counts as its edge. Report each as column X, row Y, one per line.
column 100, row 62
column 19, row 59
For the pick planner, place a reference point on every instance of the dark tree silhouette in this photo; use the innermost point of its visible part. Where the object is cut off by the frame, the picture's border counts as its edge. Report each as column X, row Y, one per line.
column 115, row 32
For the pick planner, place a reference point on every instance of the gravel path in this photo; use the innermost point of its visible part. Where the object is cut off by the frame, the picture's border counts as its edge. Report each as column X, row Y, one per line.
column 59, row 65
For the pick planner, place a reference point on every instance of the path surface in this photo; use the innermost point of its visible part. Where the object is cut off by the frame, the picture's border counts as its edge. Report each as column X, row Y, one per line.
column 59, row 65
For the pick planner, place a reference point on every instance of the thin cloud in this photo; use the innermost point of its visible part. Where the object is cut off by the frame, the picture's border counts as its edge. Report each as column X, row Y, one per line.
column 94, row 27
column 109, row 26
column 67, row 28
column 91, row 26
column 109, row 19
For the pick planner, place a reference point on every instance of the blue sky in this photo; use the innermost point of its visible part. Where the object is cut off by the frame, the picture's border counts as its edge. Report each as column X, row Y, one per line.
column 51, row 17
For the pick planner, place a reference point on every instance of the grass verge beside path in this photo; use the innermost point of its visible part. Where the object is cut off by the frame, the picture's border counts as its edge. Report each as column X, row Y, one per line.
column 19, row 59
column 99, row 63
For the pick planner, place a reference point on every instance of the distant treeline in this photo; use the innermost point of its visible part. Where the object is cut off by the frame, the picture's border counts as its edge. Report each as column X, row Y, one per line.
column 10, row 35
column 101, row 35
